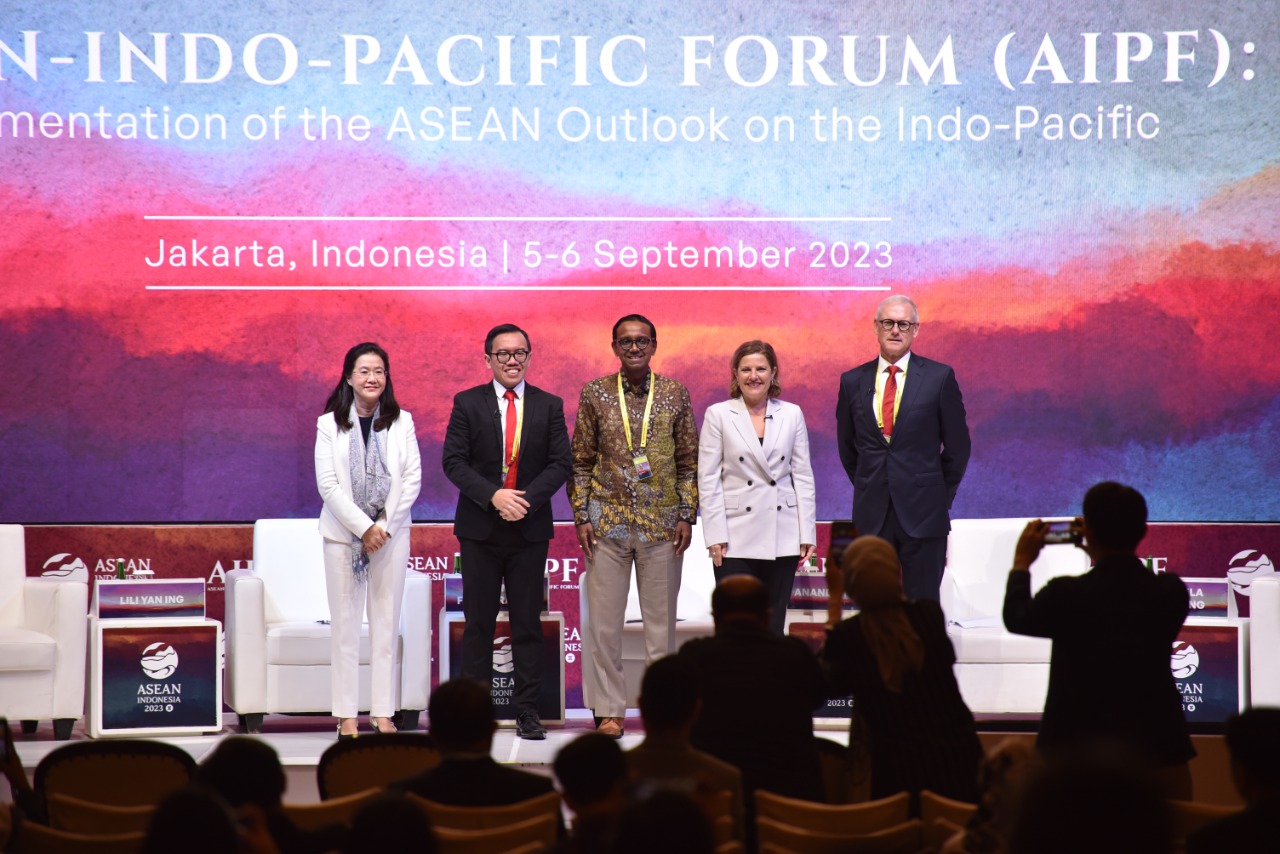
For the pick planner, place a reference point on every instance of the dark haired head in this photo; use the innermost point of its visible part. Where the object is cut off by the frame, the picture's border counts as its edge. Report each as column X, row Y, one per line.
column 590, row 768
column 244, row 770
column 390, row 824
column 751, row 348
column 503, row 329
column 668, row 694
column 738, row 597
column 666, row 820
column 1253, row 739
column 1116, row 516
column 461, row 714
column 195, row 819
column 340, row 399
column 637, row 318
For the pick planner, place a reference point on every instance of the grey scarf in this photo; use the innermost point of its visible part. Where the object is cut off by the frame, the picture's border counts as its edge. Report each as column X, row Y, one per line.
column 370, row 483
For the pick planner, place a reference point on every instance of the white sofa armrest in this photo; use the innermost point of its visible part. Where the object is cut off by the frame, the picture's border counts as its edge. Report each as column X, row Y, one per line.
column 415, row 629
column 1264, row 640
column 246, row 639
column 60, row 610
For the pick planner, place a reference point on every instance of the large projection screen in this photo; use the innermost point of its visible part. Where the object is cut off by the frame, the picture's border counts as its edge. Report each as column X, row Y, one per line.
column 206, row 203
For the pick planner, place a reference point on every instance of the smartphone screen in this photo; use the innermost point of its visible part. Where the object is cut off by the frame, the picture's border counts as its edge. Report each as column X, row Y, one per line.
column 1060, row 532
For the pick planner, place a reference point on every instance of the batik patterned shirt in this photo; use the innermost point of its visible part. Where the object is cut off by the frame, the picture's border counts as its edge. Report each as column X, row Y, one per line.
column 605, row 489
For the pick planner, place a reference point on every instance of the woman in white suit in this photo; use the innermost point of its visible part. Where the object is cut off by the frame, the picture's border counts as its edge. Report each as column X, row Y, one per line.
column 755, row 484
column 369, row 472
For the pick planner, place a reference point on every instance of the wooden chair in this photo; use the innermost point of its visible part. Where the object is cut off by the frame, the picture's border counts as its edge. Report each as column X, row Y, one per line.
column 373, row 761
column 904, row 838
column 938, row 831
column 487, row 818
column 733, row 847
column 520, row 836
column 1190, row 816
column 936, row 806
column 31, row 838
column 333, row 811
column 75, row 815
column 124, row 772
column 832, row 818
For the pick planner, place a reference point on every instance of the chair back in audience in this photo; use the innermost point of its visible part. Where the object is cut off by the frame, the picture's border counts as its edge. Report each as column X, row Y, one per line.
column 904, row 838
column 937, row 806
column 31, row 838
column 539, row 830
column 487, row 818
column 1190, row 816
column 844, row 819
column 75, row 815
column 373, row 761
column 332, row 811
column 125, row 772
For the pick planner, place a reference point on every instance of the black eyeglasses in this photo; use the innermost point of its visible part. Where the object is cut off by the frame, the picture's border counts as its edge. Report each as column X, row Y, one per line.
column 637, row 343
column 903, row 325
column 505, row 356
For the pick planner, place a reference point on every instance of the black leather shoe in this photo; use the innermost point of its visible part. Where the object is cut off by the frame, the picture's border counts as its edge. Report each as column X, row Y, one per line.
column 528, row 726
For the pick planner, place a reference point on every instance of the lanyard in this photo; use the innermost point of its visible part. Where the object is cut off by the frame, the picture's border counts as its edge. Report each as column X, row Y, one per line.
column 507, row 463
column 626, row 420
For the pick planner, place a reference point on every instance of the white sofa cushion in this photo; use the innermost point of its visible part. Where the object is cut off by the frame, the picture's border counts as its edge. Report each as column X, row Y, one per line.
column 306, row 643
column 23, row 649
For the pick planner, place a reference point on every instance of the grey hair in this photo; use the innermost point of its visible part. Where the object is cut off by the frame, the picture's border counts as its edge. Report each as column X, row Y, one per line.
column 899, row 298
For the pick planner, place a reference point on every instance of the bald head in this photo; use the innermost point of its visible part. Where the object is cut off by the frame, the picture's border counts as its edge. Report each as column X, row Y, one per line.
column 740, row 597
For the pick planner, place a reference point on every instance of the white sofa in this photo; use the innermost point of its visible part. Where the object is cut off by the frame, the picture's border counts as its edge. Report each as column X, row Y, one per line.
column 43, row 641
column 999, row 672
column 278, row 636
column 693, row 615
column 1264, row 634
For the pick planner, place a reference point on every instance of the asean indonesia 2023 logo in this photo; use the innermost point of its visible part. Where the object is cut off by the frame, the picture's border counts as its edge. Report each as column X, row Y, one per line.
column 159, row 661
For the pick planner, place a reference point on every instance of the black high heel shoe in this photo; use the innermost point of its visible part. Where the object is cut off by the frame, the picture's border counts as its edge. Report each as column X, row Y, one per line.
column 345, row 736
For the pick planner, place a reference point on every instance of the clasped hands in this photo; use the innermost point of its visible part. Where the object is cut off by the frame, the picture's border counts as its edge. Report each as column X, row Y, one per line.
column 510, row 504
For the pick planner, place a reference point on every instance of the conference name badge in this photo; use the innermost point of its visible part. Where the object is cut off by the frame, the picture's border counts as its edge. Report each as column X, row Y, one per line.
column 643, row 472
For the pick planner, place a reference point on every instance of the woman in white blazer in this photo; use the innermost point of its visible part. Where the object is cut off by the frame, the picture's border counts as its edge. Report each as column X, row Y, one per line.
column 755, row 483
column 369, row 472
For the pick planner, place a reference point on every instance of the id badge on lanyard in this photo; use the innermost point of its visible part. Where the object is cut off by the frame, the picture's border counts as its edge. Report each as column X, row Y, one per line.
column 639, row 458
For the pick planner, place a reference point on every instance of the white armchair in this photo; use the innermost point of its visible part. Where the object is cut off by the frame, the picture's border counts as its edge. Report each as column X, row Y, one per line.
column 1264, row 639
column 43, row 641
column 998, row 672
column 278, row 635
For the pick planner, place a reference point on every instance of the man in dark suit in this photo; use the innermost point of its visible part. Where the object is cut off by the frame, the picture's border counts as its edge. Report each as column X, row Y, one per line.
column 904, row 443
column 462, row 723
column 507, row 451
column 758, row 694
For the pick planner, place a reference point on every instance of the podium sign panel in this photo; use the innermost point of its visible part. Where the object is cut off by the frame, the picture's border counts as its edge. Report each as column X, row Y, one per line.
column 157, row 676
column 181, row 598
column 1208, row 667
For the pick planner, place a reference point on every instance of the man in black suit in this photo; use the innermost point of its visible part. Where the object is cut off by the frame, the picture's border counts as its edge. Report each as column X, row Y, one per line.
column 507, row 451
column 758, row 693
column 462, row 723
column 904, row 443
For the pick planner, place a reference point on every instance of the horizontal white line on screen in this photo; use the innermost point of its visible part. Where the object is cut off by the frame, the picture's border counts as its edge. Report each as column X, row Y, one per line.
column 257, row 218
column 464, row 288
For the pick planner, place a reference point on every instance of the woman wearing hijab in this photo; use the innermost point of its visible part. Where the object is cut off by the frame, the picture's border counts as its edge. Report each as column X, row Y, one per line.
column 896, row 660
column 369, row 472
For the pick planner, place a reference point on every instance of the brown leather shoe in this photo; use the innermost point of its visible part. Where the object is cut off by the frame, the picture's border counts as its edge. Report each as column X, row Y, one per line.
column 611, row 727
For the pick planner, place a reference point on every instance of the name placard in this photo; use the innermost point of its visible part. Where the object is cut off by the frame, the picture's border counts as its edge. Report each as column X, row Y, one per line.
column 1209, row 597
column 152, row 599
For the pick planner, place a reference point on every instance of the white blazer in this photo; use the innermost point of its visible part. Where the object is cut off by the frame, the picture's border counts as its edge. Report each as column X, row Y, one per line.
column 341, row 518
column 758, row 499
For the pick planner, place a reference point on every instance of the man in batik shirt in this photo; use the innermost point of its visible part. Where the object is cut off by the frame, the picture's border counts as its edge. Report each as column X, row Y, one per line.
column 634, row 493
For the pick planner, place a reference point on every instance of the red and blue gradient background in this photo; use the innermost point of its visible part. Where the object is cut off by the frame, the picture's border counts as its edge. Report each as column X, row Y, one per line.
column 1109, row 307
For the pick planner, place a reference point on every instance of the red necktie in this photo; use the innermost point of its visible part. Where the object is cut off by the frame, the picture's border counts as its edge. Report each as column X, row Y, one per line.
column 890, row 397
column 509, row 451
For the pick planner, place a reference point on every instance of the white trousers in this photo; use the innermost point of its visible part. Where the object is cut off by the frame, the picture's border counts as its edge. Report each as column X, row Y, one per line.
column 380, row 597
column 608, row 581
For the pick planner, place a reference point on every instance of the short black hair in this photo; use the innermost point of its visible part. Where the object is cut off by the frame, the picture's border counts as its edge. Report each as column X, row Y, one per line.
column 503, row 329
column 638, row 318
column 244, row 770
column 1116, row 515
column 590, row 767
column 460, row 712
column 1253, row 739
column 668, row 693
column 753, row 599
